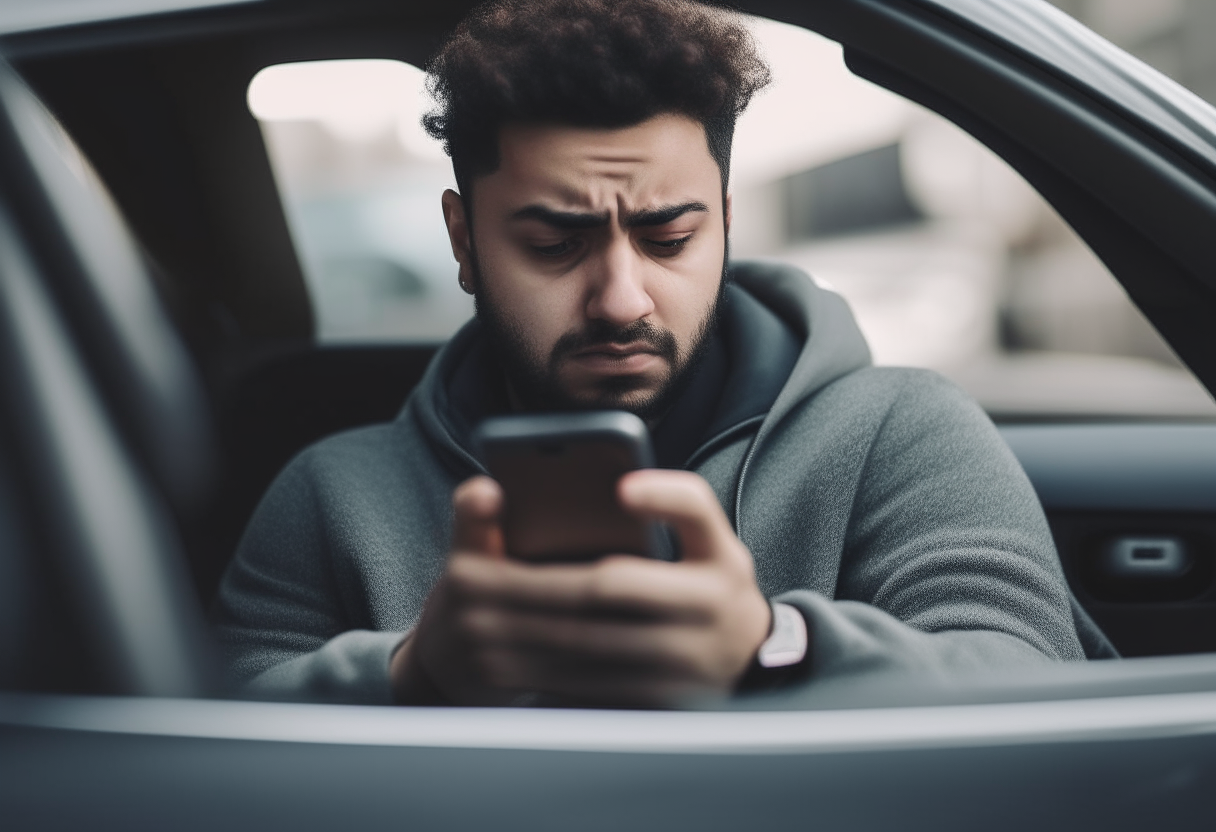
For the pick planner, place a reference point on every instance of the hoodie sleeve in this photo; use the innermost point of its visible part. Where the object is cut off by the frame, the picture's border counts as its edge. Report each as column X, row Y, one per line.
column 948, row 560
column 279, row 616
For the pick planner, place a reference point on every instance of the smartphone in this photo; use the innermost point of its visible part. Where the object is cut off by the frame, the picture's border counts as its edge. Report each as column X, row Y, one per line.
column 559, row 475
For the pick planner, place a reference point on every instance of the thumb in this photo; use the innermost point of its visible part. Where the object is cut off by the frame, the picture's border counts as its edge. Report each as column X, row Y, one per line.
column 477, row 506
column 686, row 502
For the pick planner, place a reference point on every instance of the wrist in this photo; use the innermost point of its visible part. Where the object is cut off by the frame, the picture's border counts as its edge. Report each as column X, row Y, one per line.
column 411, row 683
column 783, row 657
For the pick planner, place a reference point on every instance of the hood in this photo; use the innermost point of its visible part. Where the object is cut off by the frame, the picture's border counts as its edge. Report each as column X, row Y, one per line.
column 832, row 344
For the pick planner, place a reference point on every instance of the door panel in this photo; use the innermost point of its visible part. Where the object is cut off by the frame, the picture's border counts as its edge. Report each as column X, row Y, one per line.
column 1133, row 511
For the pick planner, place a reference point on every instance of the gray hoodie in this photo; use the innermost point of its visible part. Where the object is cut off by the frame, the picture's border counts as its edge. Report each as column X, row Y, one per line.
column 881, row 502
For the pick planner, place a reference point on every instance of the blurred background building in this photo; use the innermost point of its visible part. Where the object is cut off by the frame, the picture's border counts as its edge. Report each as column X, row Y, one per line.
column 947, row 257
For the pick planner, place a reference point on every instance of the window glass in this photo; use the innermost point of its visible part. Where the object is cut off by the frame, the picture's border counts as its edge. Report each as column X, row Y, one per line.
column 948, row 258
column 360, row 182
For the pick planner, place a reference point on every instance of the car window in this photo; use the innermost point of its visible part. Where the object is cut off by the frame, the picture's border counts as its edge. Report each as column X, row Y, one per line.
column 360, row 183
column 948, row 258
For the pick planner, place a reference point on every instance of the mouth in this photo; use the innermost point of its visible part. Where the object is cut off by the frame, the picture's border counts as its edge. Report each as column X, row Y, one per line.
column 614, row 350
column 617, row 359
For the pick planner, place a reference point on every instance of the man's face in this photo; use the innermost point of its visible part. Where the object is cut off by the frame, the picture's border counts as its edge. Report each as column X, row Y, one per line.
column 596, row 258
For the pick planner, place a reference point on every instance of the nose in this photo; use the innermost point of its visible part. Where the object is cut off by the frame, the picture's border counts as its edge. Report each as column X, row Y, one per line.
column 618, row 292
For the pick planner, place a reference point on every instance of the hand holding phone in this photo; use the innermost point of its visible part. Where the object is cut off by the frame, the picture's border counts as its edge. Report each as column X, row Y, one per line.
column 495, row 627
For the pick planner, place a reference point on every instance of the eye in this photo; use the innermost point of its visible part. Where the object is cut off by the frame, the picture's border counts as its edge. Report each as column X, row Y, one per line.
column 556, row 250
column 668, row 248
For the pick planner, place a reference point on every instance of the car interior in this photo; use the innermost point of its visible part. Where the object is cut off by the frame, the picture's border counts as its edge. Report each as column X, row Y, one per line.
column 161, row 359
column 161, row 365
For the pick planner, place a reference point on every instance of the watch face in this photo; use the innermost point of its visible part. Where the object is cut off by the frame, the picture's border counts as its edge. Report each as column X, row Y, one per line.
column 788, row 641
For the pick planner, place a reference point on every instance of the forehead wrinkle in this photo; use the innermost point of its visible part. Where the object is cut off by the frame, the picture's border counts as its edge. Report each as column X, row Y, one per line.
column 563, row 195
column 590, row 196
column 613, row 189
column 620, row 175
column 574, row 196
column 622, row 158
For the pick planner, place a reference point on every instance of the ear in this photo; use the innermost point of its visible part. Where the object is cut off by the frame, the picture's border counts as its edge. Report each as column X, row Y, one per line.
column 458, row 235
column 729, row 200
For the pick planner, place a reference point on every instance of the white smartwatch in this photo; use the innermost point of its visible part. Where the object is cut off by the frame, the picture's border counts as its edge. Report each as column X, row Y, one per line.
column 786, row 644
column 780, row 657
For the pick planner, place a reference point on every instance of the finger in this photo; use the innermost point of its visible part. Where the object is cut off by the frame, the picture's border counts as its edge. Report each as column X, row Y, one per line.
column 477, row 506
column 685, row 501
column 671, row 646
column 622, row 584
column 586, row 682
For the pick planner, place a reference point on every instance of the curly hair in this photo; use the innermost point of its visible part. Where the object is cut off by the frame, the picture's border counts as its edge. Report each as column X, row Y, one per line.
column 588, row 63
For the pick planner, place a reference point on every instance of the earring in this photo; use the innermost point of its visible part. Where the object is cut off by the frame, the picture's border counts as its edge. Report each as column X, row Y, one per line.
column 463, row 285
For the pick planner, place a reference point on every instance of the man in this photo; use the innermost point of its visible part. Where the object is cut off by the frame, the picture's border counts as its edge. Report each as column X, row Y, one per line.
column 833, row 518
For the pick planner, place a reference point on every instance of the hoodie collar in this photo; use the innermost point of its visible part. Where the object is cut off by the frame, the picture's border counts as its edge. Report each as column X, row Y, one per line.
column 782, row 339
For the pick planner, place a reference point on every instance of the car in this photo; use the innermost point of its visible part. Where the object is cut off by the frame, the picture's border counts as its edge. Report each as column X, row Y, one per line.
column 150, row 390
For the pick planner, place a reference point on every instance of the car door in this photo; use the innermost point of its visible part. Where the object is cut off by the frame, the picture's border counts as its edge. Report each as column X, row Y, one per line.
column 1133, row 487
column 1116, row 744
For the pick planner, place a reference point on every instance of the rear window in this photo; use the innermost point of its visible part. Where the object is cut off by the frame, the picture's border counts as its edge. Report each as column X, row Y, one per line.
column 947, row 257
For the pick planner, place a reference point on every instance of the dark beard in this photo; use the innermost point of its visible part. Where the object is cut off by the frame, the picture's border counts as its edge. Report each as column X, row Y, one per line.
column 534, row 378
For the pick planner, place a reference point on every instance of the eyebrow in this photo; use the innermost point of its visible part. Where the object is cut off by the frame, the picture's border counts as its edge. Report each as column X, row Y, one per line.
column 662, row 216
column 574, row 220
